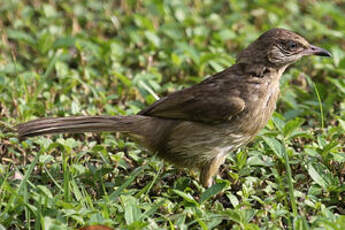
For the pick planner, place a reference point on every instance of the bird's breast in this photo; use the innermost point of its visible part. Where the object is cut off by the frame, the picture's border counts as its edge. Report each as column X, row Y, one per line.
column 260, row 104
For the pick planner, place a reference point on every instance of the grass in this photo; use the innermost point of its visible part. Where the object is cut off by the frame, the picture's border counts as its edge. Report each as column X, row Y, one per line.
column 61, row 58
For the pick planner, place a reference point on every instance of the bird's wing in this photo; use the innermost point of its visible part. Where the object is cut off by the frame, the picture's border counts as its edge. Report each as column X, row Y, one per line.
column 206, row 102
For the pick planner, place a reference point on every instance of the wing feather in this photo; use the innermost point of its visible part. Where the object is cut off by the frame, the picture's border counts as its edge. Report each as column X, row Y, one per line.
column 210, row 101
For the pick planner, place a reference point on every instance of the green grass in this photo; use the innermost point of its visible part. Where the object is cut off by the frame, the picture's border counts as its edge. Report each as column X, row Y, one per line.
column 114, row 57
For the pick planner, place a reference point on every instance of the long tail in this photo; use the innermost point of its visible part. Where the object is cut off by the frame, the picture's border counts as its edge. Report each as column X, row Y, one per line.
column 79, row 124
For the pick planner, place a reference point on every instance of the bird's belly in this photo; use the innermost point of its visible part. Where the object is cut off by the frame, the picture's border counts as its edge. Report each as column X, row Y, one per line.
column 200, row 143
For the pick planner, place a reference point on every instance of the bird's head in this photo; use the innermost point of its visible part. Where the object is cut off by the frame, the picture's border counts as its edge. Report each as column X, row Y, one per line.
column 279, row 48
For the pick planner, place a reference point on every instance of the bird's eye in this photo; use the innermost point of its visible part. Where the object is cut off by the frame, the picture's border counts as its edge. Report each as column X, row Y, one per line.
column 291, row 45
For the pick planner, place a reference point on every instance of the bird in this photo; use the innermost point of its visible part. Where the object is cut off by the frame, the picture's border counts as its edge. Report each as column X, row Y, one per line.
column 197, row 127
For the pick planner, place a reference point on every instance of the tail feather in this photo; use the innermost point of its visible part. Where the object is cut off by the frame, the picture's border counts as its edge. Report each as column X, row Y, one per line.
column 77, row 124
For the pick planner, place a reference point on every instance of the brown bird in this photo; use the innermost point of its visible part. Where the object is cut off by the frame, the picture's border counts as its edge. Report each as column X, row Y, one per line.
column 198, row 126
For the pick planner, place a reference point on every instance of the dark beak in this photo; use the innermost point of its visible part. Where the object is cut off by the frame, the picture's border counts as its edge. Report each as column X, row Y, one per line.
column 314, row 50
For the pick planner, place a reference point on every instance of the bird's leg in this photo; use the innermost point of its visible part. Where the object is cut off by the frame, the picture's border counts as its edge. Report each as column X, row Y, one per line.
column 209, row 170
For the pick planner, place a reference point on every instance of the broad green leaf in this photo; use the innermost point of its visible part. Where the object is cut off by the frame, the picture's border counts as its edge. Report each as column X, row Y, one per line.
column 20, row 35
column 132, row 211
column 45, row 191
column 275, row 146
column 186, row 196
column 153, row 38
column 212, row 191
column 321, row 175
column 292, row 126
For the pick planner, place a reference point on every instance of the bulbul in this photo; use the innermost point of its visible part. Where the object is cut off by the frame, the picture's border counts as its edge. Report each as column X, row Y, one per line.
column 198, row 126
